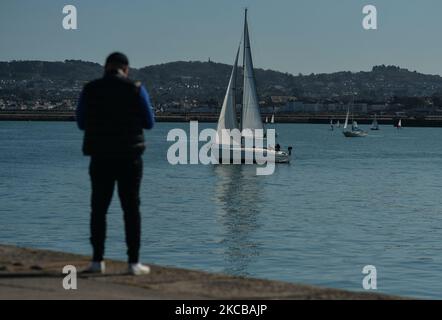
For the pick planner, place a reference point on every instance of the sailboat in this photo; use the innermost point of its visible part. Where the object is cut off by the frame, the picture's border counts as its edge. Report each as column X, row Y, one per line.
column 399, row 124
column 272, row 121
column 250, row 114
column 375, row 125
column 332, row 126
column 338, row 124
column 355, row 131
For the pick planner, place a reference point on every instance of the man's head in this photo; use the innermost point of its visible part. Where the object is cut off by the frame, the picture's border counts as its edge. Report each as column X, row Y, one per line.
column 119, row 62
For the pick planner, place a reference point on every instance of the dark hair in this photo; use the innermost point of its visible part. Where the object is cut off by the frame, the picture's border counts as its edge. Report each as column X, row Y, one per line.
column 117, row 59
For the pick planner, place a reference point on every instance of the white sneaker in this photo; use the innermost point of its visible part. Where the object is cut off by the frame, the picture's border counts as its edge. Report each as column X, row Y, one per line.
column 138, row 269
column 96, row 267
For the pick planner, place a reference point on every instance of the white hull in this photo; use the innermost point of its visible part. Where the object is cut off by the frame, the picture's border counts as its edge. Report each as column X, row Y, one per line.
column 259, row 155
column 355, row 134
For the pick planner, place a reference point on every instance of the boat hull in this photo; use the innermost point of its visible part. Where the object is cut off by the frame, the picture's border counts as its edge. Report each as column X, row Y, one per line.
column 260, row 155
column 355, row 134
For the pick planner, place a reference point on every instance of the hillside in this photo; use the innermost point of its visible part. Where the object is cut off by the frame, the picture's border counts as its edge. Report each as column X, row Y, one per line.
column 206, row 81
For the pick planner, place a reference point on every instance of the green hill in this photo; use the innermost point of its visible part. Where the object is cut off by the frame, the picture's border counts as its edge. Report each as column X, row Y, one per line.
column 207, row 81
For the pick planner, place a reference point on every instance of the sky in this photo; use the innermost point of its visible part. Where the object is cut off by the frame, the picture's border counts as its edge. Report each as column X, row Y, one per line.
column 295, row 36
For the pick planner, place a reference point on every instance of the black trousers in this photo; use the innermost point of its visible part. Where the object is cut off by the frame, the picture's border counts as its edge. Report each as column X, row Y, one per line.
column 126, row 173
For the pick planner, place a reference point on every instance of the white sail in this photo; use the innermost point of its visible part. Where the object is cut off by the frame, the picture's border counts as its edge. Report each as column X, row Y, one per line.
column 227, row 118
column 355, row 124
column 273, row 119
column 251, row 116
column 346, row 119
column 375, row 122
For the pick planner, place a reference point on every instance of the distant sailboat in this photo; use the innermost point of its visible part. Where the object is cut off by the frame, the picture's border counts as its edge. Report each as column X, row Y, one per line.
column 399, row 124
column 332, row 126
column 338, row 124
column 250, row 113
column 355, row 132
column 375, row 125
column 272, row 122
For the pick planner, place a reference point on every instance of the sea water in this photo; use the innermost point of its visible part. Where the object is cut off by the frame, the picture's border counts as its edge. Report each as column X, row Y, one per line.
column 340, row 205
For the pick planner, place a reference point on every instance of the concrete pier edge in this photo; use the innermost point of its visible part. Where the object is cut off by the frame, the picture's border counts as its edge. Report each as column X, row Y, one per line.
column 37, row 274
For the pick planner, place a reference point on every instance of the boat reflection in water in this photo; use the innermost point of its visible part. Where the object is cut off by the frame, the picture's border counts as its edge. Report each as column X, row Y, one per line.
column 238, row 197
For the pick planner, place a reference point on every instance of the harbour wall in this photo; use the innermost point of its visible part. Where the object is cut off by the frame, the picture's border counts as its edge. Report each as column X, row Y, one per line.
column 211, row 118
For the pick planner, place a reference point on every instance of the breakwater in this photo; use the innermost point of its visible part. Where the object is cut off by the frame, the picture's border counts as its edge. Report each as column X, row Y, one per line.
column 212, row 118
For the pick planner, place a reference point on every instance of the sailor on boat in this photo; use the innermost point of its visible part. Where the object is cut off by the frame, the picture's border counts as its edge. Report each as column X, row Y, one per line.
column 355, row 131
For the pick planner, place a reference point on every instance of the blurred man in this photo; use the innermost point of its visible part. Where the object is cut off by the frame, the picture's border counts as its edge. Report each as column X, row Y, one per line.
column 113, row 111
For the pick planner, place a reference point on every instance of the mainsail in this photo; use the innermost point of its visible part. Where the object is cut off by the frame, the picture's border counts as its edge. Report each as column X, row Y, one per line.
column 227, row 118
column 251, row 116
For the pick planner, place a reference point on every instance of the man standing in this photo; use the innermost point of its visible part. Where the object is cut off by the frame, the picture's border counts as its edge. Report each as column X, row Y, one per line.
column 113, row 111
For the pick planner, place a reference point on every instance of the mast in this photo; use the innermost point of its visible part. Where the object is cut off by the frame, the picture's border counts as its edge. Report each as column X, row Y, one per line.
column 234, row 82
column 251, row 115
column 243, row 67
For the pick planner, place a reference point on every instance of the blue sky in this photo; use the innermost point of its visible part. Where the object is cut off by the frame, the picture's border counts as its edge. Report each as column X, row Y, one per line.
column 287, row 35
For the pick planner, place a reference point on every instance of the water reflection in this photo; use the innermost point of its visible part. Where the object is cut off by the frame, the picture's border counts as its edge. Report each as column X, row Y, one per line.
column 238, row 197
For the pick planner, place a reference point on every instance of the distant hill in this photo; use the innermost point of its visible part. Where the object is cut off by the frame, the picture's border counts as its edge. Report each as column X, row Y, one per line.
column 69, row 69
column 207, row 81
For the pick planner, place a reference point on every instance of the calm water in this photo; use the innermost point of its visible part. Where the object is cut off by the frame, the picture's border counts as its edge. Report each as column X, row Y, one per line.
column 341, row 205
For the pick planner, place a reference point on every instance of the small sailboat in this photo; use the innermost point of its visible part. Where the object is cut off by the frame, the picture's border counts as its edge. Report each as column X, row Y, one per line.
column 272, row 121
column 338, row 124
column 355, row 131
column 250, row 119
column 375, row 125
column 399, row 124
column 332, row 126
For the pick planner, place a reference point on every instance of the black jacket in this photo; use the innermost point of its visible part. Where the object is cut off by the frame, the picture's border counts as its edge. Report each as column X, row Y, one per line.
column 114, row 117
